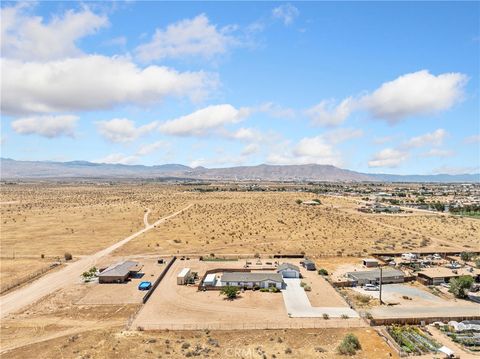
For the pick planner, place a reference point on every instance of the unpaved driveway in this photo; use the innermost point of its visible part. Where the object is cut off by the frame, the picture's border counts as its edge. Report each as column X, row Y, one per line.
column 49, row 283
column 298, row 305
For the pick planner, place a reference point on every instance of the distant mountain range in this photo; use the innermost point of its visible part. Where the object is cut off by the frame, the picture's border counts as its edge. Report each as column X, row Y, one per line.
column 17, row 170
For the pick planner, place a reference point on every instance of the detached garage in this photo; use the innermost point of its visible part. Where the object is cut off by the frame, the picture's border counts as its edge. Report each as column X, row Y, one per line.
column 119, row 273
column 288, row 270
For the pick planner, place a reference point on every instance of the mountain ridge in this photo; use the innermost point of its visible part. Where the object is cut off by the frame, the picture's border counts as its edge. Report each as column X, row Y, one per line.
column 12, row 169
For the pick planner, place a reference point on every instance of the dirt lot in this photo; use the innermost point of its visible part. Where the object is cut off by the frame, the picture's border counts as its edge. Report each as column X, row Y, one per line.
column 301, row 343
column 177, row 307
column 22, row 269
column 122, row 293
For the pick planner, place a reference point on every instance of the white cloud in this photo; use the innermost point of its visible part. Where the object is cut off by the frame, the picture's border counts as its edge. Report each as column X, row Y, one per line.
column 46, row 126
column 327, row 114
column 29, row 38
column 418, row 93
column 432, row 138
column 437, row 152
column 414, row 94
column 201, row 122
column 189, row 37
column 150, row 147
column 472, row 139
column 309, row 150
column 250, row 149
column 123, row 130
column 388, row 157
column 243, row 134
column 118, row 158
column 93, row 82
column 275, row 110
column 342, row 134
column 286, row 13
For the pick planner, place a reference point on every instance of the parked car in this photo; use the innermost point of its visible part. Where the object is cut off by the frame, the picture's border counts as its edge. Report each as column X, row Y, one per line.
column 371, row 287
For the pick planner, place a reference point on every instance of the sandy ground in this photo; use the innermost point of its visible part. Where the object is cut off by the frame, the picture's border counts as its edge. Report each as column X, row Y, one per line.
column 302, row 343
column 273, row 222
column 122, row 293
column 15, row 300
column 181, row 307
column 322, row 293
column 20, row 270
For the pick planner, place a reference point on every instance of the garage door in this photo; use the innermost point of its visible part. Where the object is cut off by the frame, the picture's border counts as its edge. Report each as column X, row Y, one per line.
column 289, row 274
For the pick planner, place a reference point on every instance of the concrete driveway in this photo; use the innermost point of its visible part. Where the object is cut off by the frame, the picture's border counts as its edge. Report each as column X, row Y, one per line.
column 395, row 292
column 298, row 305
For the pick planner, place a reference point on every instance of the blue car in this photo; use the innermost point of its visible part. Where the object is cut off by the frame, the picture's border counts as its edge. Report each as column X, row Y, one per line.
column 145, row 286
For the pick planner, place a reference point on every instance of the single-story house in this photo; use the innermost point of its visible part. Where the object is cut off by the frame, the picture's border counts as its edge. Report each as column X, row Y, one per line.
column 120, row 272
column 389, row 275
column 438, row 275
column 183, row 276
column 309, row 265
column 370, row 262
column 288, row 270
column 252, row 279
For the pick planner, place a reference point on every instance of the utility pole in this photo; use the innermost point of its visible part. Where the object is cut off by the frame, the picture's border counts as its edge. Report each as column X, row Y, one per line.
column 380, row 286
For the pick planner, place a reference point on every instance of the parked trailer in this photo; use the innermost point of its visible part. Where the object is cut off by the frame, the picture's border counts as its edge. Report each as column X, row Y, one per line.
column 183, row 276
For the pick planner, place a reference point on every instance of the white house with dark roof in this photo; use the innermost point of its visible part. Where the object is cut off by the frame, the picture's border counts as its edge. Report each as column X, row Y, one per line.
column 252, row 279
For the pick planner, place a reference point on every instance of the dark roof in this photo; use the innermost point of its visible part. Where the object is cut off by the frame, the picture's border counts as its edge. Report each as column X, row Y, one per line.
column 250, row 277
column 290, row 266
column 120, row 269
column 375, row 274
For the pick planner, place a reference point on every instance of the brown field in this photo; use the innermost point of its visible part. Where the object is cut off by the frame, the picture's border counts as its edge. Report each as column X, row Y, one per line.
column 239, row 223
column 77, row 321
column 298, row 343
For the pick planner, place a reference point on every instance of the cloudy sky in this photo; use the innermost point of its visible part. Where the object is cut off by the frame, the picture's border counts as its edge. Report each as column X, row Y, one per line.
column 372, row 87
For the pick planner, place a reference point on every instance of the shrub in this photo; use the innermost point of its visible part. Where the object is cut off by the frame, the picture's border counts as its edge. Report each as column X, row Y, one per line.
column 349, row 345
column 460, row 286
column 230, row 292
column 322, row 271
column 344, row 316
column 68, row 256
column 325, row 316
column 465, row 256
column 298, row 201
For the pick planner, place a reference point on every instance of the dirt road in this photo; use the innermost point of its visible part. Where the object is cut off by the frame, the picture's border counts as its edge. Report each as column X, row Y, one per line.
column 29, row 294
column 145, row 217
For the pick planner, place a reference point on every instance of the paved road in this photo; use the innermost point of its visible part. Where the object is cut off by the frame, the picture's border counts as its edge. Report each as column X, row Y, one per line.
column 16, row 300
column 298, row 305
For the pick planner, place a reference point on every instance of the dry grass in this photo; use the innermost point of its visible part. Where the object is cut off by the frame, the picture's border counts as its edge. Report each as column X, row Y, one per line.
column 303, row 343
column 238, row 223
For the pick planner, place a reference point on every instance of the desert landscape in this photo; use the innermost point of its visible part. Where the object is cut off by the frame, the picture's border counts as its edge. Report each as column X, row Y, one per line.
column 43, row 222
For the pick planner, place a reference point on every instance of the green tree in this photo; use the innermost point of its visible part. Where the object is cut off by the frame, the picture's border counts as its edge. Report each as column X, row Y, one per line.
column 460, row 286
column 465, row 256
column 230, row 292
column 322, row 271
column 349, row 345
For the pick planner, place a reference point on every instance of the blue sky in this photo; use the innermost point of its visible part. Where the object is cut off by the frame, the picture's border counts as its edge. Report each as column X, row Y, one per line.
column 373, row 87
